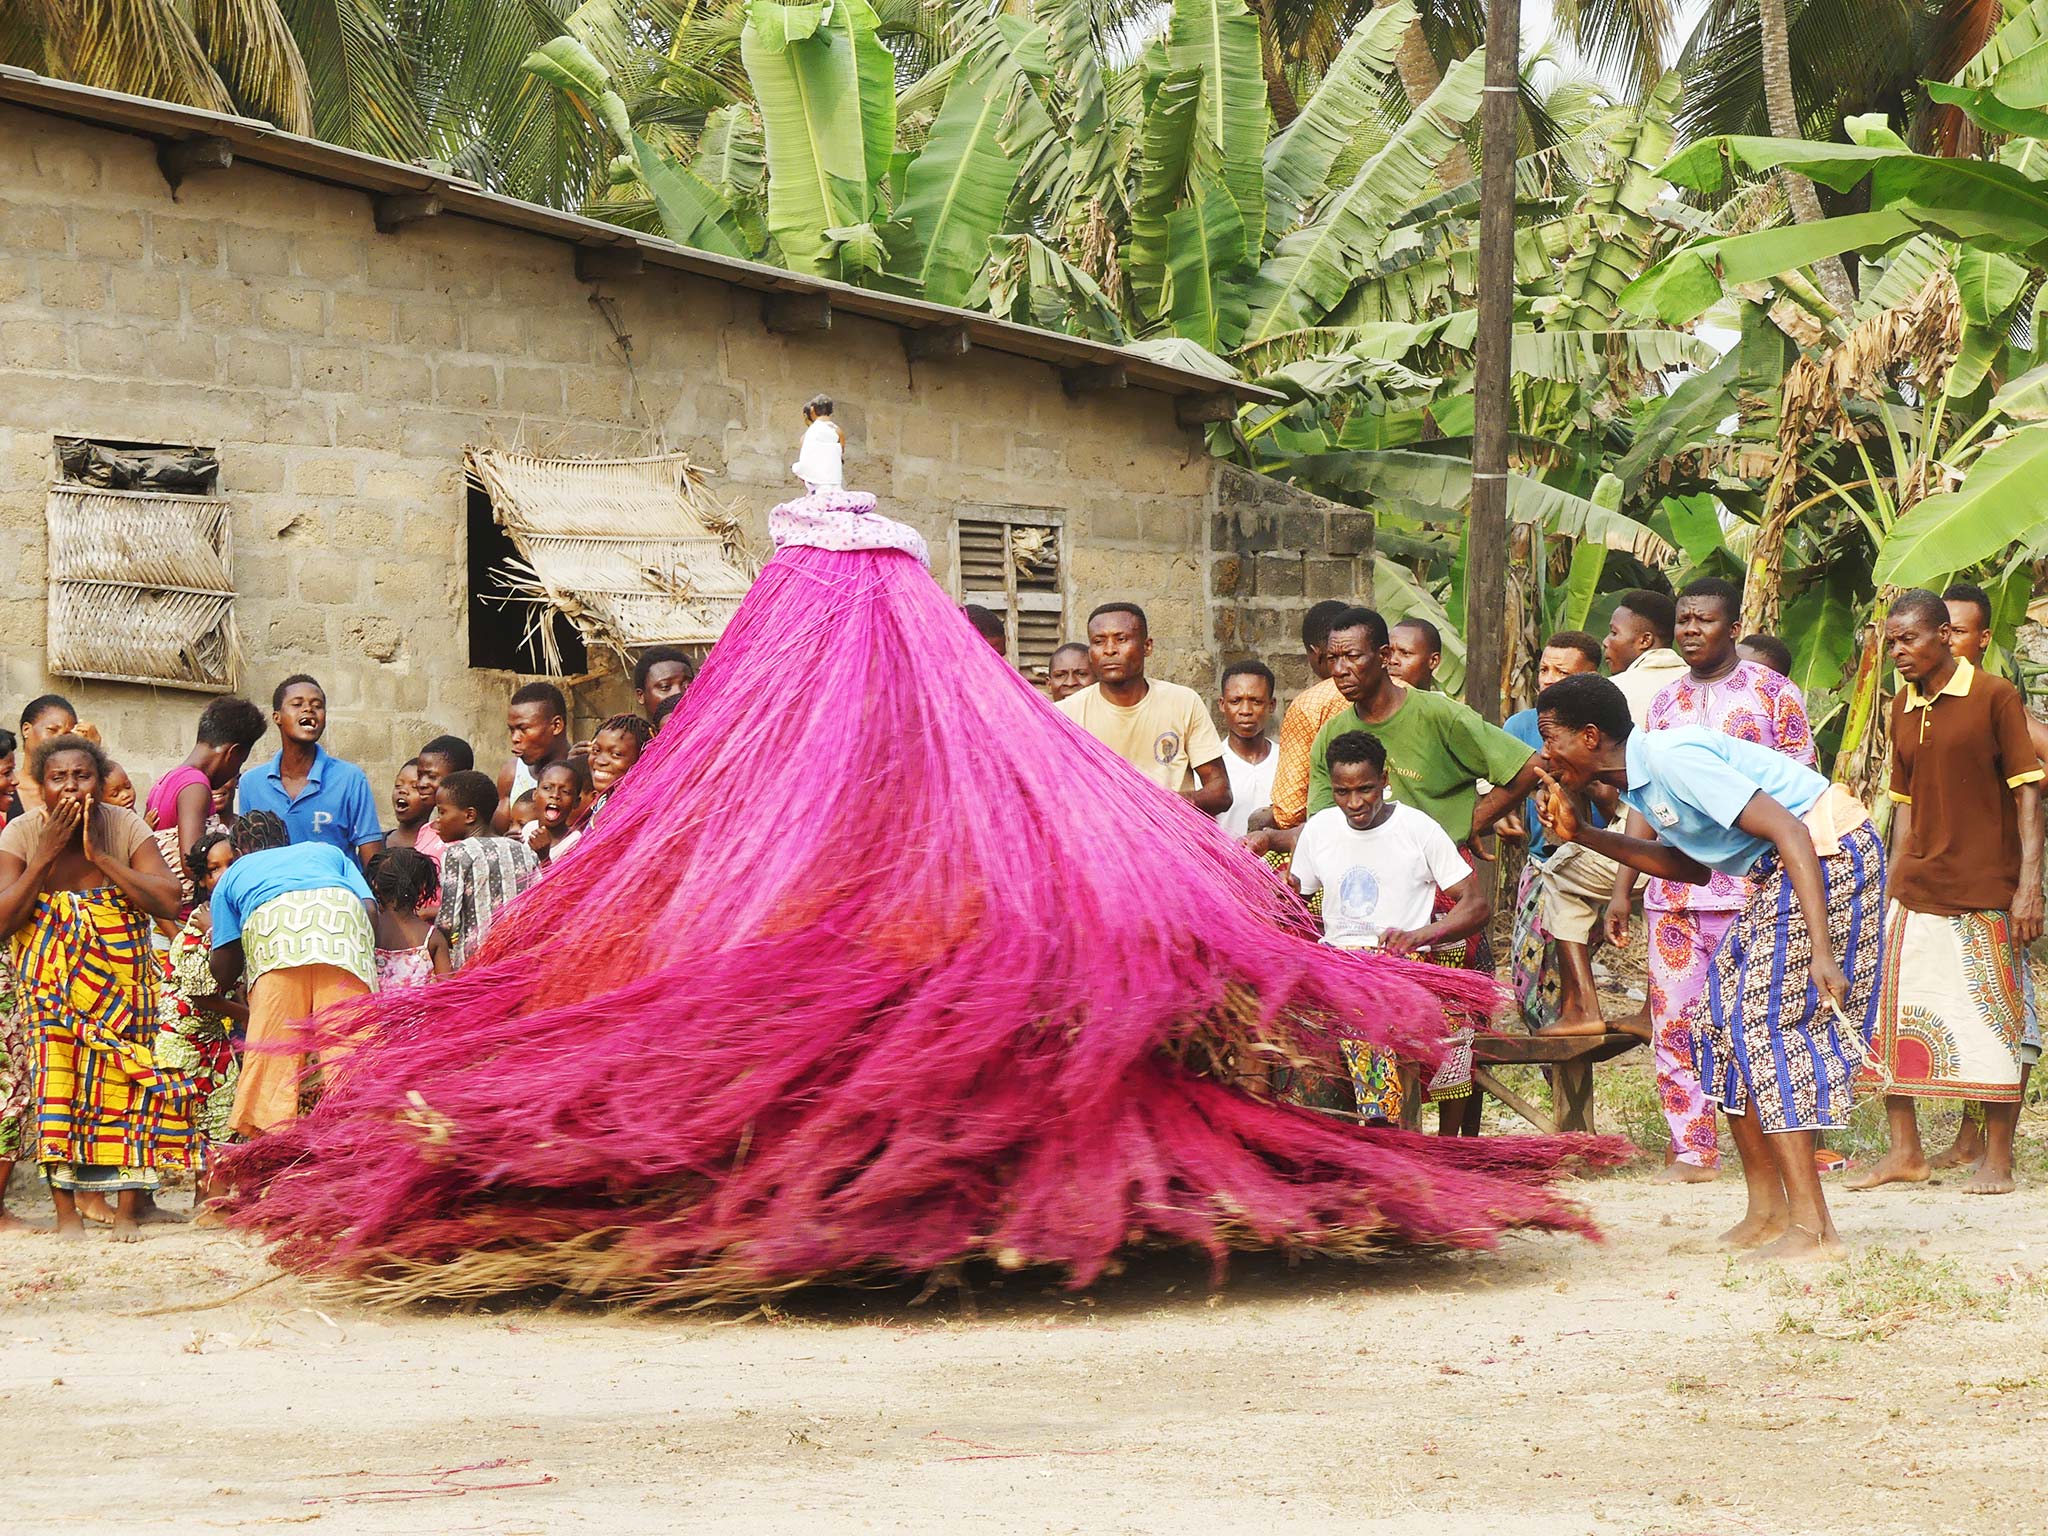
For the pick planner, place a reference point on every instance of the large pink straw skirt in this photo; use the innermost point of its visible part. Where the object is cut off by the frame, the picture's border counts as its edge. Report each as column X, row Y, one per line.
column 875, row 965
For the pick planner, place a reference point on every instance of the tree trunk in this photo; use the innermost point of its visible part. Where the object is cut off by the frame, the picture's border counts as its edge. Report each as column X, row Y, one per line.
column 1784, row 116
column 1420, row 77
column 1486, row 542
column 1280, row 99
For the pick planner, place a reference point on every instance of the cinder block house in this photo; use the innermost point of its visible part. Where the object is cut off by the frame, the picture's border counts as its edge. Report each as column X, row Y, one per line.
column 383, row 385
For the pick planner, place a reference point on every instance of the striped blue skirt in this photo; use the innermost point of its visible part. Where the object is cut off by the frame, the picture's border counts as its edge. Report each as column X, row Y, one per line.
column 1764, row 1041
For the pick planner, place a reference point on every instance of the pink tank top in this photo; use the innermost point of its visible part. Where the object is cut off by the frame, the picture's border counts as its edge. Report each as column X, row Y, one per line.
column 162, row 804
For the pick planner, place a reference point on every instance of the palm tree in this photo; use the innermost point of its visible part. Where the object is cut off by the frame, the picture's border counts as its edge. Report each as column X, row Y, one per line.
column 1846, row 57
column 1777, row 72
column 222, row 55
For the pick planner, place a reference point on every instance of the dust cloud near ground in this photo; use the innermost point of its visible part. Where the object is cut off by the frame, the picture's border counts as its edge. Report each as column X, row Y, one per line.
column 1644, row 1384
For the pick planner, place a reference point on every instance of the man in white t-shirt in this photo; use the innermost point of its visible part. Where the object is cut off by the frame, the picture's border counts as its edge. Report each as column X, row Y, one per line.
column 1161, row 729
column 1380, row 865
column 1249, row 756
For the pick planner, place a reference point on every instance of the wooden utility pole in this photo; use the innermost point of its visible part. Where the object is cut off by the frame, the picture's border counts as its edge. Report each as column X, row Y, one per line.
column 1486, row 545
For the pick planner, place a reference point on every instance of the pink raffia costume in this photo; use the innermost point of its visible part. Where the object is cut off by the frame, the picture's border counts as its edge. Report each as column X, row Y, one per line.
column 875, row 965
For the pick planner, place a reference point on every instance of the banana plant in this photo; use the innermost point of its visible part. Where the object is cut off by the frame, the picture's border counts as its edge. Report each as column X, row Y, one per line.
column 826, row 89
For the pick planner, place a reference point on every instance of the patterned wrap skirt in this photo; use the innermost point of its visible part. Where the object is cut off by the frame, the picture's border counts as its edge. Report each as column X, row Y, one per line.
column 1952, row 1008
column 105, row 1113
column 1764, row 1040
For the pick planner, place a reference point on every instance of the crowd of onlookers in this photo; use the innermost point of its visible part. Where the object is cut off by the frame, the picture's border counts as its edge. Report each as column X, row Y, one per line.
column 165, row 944
column 1383, row 797
column 170, row 939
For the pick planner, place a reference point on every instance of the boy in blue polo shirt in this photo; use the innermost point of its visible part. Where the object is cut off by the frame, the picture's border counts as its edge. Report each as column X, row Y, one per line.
column 320, row 798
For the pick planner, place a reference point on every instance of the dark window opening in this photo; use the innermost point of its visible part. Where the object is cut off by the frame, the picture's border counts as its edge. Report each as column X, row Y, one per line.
column 504, row 625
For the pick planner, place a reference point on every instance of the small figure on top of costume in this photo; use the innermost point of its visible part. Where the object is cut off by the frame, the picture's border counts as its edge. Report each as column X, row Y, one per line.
column 821, row 459
column 828, row 515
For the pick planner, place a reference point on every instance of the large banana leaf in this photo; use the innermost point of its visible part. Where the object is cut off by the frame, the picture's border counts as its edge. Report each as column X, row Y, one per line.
column 809, row 73
column 2023, row 29
column 960, row 182
column 1300, row 156
column 691, row 211
column 1966, row 199
column 1906, row 272
column 729, row 153
column 1690, row 415
column 1988, row 285
column 1820, row 627
column 1220, row 38
column 730, row 160
column 1575, row 356
column 1999, row 504
column 875, row 67
column 1164, row 162
column 1029, row 281
column 1316, row 265
column 1624, row 236
column 1691, row 281
column 1206, row 265
column 1445, row 483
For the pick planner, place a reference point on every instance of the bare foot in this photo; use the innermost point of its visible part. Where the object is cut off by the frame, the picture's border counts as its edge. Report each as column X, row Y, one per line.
column 1987, row 1180
column 69, row 1228
column 154, row 1215
column 1686, row 1173
column 126, row 1230
column 1893, row 1169
column 1800, row 1246
column 1573, row 1029
column 94, row 1208
column 12, row 1225
column 1754, row 1231
column 1966, row 1151
column 207, row 1216
column 1634, row 1025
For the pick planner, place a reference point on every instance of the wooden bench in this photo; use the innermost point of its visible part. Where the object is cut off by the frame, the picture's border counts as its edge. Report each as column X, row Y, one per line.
column 1570, row 1058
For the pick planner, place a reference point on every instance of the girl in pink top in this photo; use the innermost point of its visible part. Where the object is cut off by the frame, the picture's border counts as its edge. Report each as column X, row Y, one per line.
column 180, row 804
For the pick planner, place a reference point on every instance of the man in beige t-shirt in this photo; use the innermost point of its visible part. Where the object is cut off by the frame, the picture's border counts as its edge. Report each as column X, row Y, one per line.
column 1638, row 647
column 1161, row 729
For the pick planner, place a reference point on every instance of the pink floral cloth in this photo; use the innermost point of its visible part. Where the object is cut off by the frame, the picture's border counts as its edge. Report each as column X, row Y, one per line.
column 1688, row 922
column 843, row 520
column 1682, row 946
column 1752, row 703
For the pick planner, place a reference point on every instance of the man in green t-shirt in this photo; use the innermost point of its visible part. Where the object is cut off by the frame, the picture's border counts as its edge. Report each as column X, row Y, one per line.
column 1438, row 750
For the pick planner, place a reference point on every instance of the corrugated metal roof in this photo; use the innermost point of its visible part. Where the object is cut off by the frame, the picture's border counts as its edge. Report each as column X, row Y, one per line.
column 261, row 144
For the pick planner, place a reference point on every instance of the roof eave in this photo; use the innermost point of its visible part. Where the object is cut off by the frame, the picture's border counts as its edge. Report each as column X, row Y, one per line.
column 263, row 144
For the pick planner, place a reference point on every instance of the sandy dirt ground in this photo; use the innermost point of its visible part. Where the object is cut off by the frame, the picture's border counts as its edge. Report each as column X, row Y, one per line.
column 1641, row 1385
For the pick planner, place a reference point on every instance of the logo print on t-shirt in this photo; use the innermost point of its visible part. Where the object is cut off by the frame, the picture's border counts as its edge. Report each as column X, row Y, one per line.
column 1167, row 747
column 1358, row 893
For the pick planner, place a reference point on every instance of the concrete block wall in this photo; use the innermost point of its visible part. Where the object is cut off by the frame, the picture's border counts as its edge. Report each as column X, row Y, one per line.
column 341, row 372
column 1274, row 552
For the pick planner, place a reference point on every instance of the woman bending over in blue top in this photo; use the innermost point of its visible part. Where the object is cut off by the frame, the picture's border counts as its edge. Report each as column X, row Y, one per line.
column 1784, row 1025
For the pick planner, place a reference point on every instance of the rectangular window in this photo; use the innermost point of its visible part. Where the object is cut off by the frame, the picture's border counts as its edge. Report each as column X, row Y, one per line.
column 1014, row 562
column 141, row 566
column 509, row 629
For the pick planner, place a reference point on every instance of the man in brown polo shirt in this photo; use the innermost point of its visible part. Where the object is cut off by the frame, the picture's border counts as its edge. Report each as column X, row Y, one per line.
column 1965, row 887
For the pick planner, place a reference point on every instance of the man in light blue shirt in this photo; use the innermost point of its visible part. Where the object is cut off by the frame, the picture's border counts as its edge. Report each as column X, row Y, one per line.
column 1783, row 1027
column 1694, row 785
column 320, row 798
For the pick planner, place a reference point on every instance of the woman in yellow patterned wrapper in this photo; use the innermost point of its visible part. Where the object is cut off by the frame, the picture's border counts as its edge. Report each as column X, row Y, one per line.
column 79, row 882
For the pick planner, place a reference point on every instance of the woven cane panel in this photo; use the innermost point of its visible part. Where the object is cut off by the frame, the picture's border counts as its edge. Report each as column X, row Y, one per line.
column 141, row 588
